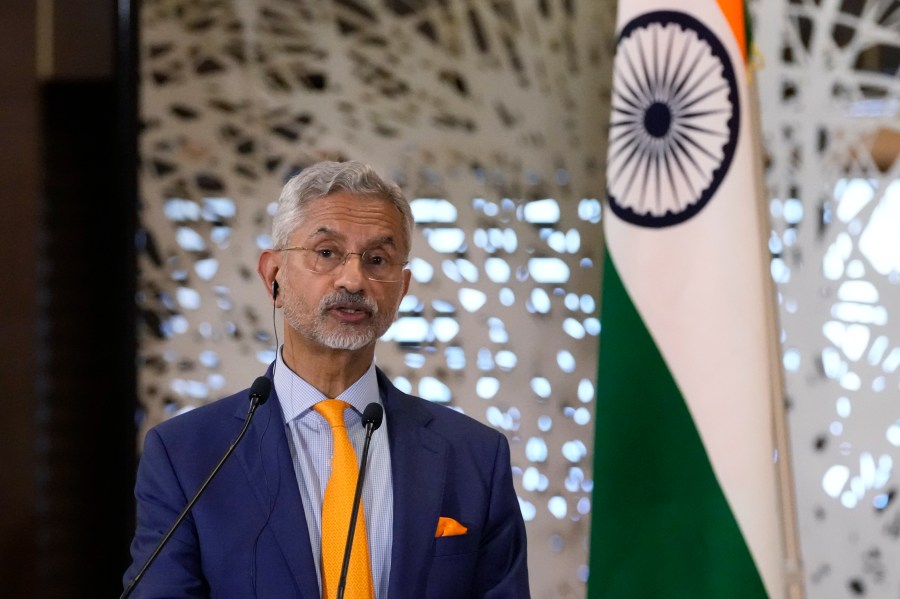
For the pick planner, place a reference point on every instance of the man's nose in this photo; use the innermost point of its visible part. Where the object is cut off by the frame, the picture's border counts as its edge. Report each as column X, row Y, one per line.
column 349, row 276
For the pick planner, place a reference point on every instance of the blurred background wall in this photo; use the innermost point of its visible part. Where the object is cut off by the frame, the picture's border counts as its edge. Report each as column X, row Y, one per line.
column 491, row 116
column 20, row 157
column 66, row 313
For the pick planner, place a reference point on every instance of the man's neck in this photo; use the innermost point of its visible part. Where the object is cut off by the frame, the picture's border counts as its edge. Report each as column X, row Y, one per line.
column 331, row 371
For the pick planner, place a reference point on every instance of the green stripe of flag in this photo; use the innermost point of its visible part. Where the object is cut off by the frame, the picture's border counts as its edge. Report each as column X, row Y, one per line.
column 661, row 526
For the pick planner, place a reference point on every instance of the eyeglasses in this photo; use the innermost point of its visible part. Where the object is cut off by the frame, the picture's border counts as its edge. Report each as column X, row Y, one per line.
column 377, row 265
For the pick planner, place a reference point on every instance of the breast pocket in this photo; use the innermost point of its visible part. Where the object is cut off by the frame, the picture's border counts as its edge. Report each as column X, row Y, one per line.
column 456, row 544
column 453, row 567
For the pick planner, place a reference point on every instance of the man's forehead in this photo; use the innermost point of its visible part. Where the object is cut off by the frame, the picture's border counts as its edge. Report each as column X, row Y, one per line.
column 369, row 219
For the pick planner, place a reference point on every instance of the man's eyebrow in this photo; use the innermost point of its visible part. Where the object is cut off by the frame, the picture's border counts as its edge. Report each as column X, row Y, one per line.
column 383, row 240
column 325, row 231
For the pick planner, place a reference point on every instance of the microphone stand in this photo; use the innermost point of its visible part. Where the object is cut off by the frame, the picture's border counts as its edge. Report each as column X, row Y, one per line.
column 372, row 419
column 259, row 393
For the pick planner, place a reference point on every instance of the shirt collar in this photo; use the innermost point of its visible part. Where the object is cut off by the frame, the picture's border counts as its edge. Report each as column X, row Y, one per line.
column 297, row 397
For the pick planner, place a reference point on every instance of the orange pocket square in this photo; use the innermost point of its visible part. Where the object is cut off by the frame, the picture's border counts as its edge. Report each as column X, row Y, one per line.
column 448, row 527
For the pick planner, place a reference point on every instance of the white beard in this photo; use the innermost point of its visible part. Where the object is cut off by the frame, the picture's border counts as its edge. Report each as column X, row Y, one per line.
column 316, row 325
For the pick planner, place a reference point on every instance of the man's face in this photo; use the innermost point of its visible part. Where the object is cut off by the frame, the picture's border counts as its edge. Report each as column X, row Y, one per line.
column 343, row 309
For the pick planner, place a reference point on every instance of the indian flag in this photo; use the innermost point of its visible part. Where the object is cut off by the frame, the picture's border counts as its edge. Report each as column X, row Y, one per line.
column 686, row 496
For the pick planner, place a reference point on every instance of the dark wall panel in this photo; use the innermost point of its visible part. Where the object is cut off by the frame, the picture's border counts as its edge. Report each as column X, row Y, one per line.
column 86, row 340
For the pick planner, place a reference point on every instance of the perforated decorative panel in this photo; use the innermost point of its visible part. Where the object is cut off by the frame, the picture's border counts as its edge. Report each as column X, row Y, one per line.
column 830, row 98
column 492, row 117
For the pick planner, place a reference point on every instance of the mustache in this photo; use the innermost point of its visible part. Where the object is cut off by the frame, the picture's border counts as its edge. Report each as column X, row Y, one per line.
column 356, row 301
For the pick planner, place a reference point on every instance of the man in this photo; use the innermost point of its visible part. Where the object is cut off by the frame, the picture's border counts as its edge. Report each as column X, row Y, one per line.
column 439, row 517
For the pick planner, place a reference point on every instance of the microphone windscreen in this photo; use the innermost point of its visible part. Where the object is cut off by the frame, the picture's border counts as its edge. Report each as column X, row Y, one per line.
column 260, row 389
column 373, row 414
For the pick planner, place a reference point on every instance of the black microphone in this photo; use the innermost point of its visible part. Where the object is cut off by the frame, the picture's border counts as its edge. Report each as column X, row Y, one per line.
column 259, row 393
column 371, row 419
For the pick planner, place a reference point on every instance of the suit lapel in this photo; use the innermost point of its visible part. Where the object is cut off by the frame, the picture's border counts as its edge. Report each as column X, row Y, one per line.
column 266, row 458
column 418, row 470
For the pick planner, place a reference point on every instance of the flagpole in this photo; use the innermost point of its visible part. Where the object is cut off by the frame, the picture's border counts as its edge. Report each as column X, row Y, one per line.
column 790, row 536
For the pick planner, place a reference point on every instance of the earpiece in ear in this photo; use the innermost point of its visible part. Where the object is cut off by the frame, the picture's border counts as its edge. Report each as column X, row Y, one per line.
column 274, row 289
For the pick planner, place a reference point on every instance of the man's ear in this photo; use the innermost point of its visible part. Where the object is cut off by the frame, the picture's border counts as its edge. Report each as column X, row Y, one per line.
column 407, row 276
column 268, row 266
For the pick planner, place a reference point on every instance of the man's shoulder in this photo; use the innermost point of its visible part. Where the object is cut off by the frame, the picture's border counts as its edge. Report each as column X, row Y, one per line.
column 223, row 408
column 439, row 416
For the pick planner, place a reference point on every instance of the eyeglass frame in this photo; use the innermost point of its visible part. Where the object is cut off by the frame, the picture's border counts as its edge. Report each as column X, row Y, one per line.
column 343, row 262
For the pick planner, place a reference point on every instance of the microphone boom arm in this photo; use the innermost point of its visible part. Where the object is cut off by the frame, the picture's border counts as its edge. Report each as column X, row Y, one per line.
column 372, row 419
column 258, row 395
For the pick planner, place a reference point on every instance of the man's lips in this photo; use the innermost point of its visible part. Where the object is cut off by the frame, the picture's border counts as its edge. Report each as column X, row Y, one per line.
column 350, row 313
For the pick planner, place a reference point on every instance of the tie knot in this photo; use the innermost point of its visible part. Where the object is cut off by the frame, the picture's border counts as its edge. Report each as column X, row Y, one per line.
column 332, row 410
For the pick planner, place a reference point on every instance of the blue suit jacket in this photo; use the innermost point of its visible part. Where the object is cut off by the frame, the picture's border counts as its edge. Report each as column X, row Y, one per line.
column 247, row 534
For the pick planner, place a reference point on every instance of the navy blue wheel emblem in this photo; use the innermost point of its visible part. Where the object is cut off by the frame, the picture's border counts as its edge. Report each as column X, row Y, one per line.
column 674, row 122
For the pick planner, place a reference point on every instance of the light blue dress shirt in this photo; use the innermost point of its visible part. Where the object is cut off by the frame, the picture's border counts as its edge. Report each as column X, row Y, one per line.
column 310, row 440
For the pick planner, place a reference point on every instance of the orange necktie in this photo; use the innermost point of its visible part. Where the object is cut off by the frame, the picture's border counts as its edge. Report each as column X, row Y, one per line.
column 336, row 511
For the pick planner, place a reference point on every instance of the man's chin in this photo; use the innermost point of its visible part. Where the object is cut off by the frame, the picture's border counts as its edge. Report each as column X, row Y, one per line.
column 345, row 342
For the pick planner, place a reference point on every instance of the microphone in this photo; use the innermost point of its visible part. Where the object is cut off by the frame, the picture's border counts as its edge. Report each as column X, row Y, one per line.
column 259, row 393
column 371, row 419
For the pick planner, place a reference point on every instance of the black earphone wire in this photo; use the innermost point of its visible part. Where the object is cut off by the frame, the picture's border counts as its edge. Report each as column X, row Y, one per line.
column 274, row 328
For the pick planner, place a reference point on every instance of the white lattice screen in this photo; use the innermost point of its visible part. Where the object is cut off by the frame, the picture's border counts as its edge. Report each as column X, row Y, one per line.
column 493, row 116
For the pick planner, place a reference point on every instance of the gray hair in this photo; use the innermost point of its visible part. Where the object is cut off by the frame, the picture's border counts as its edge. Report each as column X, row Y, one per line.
column 325, row 178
